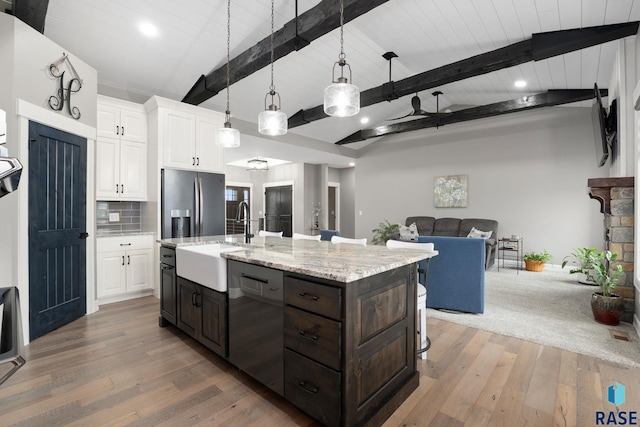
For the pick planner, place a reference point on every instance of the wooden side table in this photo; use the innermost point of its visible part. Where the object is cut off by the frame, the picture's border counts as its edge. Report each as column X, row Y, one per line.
column 507, row 248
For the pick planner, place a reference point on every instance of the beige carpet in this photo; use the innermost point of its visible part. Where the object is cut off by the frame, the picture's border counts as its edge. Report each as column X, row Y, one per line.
column 549, row 308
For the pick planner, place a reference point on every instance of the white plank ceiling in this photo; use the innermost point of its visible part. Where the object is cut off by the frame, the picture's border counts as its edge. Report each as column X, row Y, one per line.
column 425, row 34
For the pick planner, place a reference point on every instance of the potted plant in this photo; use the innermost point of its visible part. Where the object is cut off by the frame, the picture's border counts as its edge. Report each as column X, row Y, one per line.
column 606, row 306
column 582, row 258
column 535, row 261
column 384, row 232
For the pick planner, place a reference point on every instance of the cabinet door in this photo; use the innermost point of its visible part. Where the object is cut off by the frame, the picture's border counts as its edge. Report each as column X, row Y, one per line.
column 187, row 307
column 213, row 325
column 138, row 263
column 108, row 121
column 133, row 170
column 133, row 126
column 168, row 300
column 107, row 169
column 179, row 140
column 111, row 278
column 209, row 156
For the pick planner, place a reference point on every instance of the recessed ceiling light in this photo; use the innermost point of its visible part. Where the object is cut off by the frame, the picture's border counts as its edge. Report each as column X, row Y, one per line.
column 520, row 83
column 148, row 29
column 364, row 120
column 352, row 164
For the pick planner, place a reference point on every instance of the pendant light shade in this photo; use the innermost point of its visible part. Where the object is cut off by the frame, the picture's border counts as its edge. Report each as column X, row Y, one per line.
column 341, row 98
column 272, row 121
column 227, row 136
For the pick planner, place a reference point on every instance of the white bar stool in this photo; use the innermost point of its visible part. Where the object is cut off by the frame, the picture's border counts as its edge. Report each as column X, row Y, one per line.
column 421, row 300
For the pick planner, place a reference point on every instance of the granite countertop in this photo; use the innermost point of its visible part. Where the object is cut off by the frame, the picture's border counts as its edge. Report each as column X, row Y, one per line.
column 339, row 262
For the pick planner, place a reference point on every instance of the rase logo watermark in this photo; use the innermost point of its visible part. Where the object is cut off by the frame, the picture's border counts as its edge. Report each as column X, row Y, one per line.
column 616, row 396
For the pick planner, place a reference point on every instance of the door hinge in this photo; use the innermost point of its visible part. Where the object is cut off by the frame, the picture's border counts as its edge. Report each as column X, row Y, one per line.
column 31, row 140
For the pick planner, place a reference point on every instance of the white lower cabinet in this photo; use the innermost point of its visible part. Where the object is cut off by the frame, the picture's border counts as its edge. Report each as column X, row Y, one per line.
column 124, row 266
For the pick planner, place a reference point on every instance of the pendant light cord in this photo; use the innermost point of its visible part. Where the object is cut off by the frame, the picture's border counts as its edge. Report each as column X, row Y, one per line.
column 228, row 112
column 342, row 54
column 272, row 88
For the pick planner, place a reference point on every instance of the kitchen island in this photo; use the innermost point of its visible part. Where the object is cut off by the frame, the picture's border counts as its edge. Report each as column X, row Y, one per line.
column 331, row 327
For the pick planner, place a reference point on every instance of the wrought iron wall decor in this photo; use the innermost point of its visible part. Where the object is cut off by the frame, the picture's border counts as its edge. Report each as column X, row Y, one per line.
column 56, row 102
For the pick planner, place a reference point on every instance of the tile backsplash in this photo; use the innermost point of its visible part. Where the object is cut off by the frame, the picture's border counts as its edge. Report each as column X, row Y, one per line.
column 128, row 217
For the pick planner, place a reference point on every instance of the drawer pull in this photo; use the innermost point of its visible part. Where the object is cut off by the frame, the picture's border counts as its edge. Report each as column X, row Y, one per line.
column 311, row 389
column 303, row 334
column 167, row 256
column 308, row 297
column 125, row 244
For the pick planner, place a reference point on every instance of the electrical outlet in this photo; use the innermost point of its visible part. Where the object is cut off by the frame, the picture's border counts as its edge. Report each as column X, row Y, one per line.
column 114, row 216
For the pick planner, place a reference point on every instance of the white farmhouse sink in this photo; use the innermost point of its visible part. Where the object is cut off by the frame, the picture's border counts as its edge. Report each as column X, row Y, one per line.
column 204, row 265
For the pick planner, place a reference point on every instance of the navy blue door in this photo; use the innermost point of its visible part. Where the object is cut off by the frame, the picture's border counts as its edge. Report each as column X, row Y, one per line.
column 57, row 228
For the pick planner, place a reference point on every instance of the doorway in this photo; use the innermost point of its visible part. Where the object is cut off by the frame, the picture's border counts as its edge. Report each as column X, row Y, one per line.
column 57, row 228
column 278, row 212
column 234, row 194
column 333, row 205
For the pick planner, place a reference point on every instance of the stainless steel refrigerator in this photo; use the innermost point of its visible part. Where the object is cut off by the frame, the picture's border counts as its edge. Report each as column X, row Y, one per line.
column 192, row 203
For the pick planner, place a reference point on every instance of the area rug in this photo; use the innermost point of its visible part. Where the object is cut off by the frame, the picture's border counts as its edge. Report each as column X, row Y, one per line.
column 549, row 308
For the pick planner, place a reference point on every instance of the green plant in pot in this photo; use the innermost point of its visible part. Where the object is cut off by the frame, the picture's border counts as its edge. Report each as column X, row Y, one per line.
column 384, row 232
column 606, row 306
column 535, row 261
column 582, row 258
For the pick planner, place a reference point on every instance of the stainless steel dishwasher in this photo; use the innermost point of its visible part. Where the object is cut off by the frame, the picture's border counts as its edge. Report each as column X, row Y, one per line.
column 256, row 322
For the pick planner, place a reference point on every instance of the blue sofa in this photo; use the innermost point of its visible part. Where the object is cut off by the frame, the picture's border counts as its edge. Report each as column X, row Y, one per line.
column 455, row 278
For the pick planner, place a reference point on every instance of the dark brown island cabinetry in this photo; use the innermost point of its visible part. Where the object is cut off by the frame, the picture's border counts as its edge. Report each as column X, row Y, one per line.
column 342, row 352
column 349, row 347
column 198, row 311
column 168, row 298
column 202, row 314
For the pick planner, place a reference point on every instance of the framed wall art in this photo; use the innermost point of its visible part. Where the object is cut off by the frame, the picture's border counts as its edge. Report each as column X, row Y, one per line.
column 450, row 191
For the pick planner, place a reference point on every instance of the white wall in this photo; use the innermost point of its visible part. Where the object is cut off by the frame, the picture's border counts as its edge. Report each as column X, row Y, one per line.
column 526, row 170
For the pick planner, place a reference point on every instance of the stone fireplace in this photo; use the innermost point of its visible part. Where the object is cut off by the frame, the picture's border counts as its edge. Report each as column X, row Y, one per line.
column 616, row 197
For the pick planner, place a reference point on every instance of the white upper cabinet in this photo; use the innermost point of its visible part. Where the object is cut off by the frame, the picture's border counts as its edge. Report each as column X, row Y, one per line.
column 186, row 135
column 121, row 151
column 121, row 119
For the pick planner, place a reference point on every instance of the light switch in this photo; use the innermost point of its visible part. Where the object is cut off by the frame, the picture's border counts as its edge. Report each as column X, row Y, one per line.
column 114, row 216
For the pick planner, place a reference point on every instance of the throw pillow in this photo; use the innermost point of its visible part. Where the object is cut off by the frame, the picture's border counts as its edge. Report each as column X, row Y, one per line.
column 410, row 233
column 479, row 233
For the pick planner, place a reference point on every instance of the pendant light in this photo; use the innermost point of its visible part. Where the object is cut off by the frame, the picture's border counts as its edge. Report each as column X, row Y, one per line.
column 341, row 99
column 271, row 121
column 257, row 165
column 227, row 136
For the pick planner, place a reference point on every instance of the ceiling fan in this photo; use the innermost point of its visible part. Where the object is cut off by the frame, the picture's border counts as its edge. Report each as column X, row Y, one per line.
column 417, row 110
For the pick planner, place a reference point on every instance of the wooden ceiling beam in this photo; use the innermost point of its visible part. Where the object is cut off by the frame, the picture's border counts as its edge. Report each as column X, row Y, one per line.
column 539, row 46
column 31, row 12
column 312, row 24
column 545, row 99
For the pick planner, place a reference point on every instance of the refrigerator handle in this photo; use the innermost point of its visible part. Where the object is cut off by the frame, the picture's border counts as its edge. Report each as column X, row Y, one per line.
column 196, row 222
column 201, row 202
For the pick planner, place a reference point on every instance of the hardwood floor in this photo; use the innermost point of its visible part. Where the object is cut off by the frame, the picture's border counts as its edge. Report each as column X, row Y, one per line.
column 117, row 367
